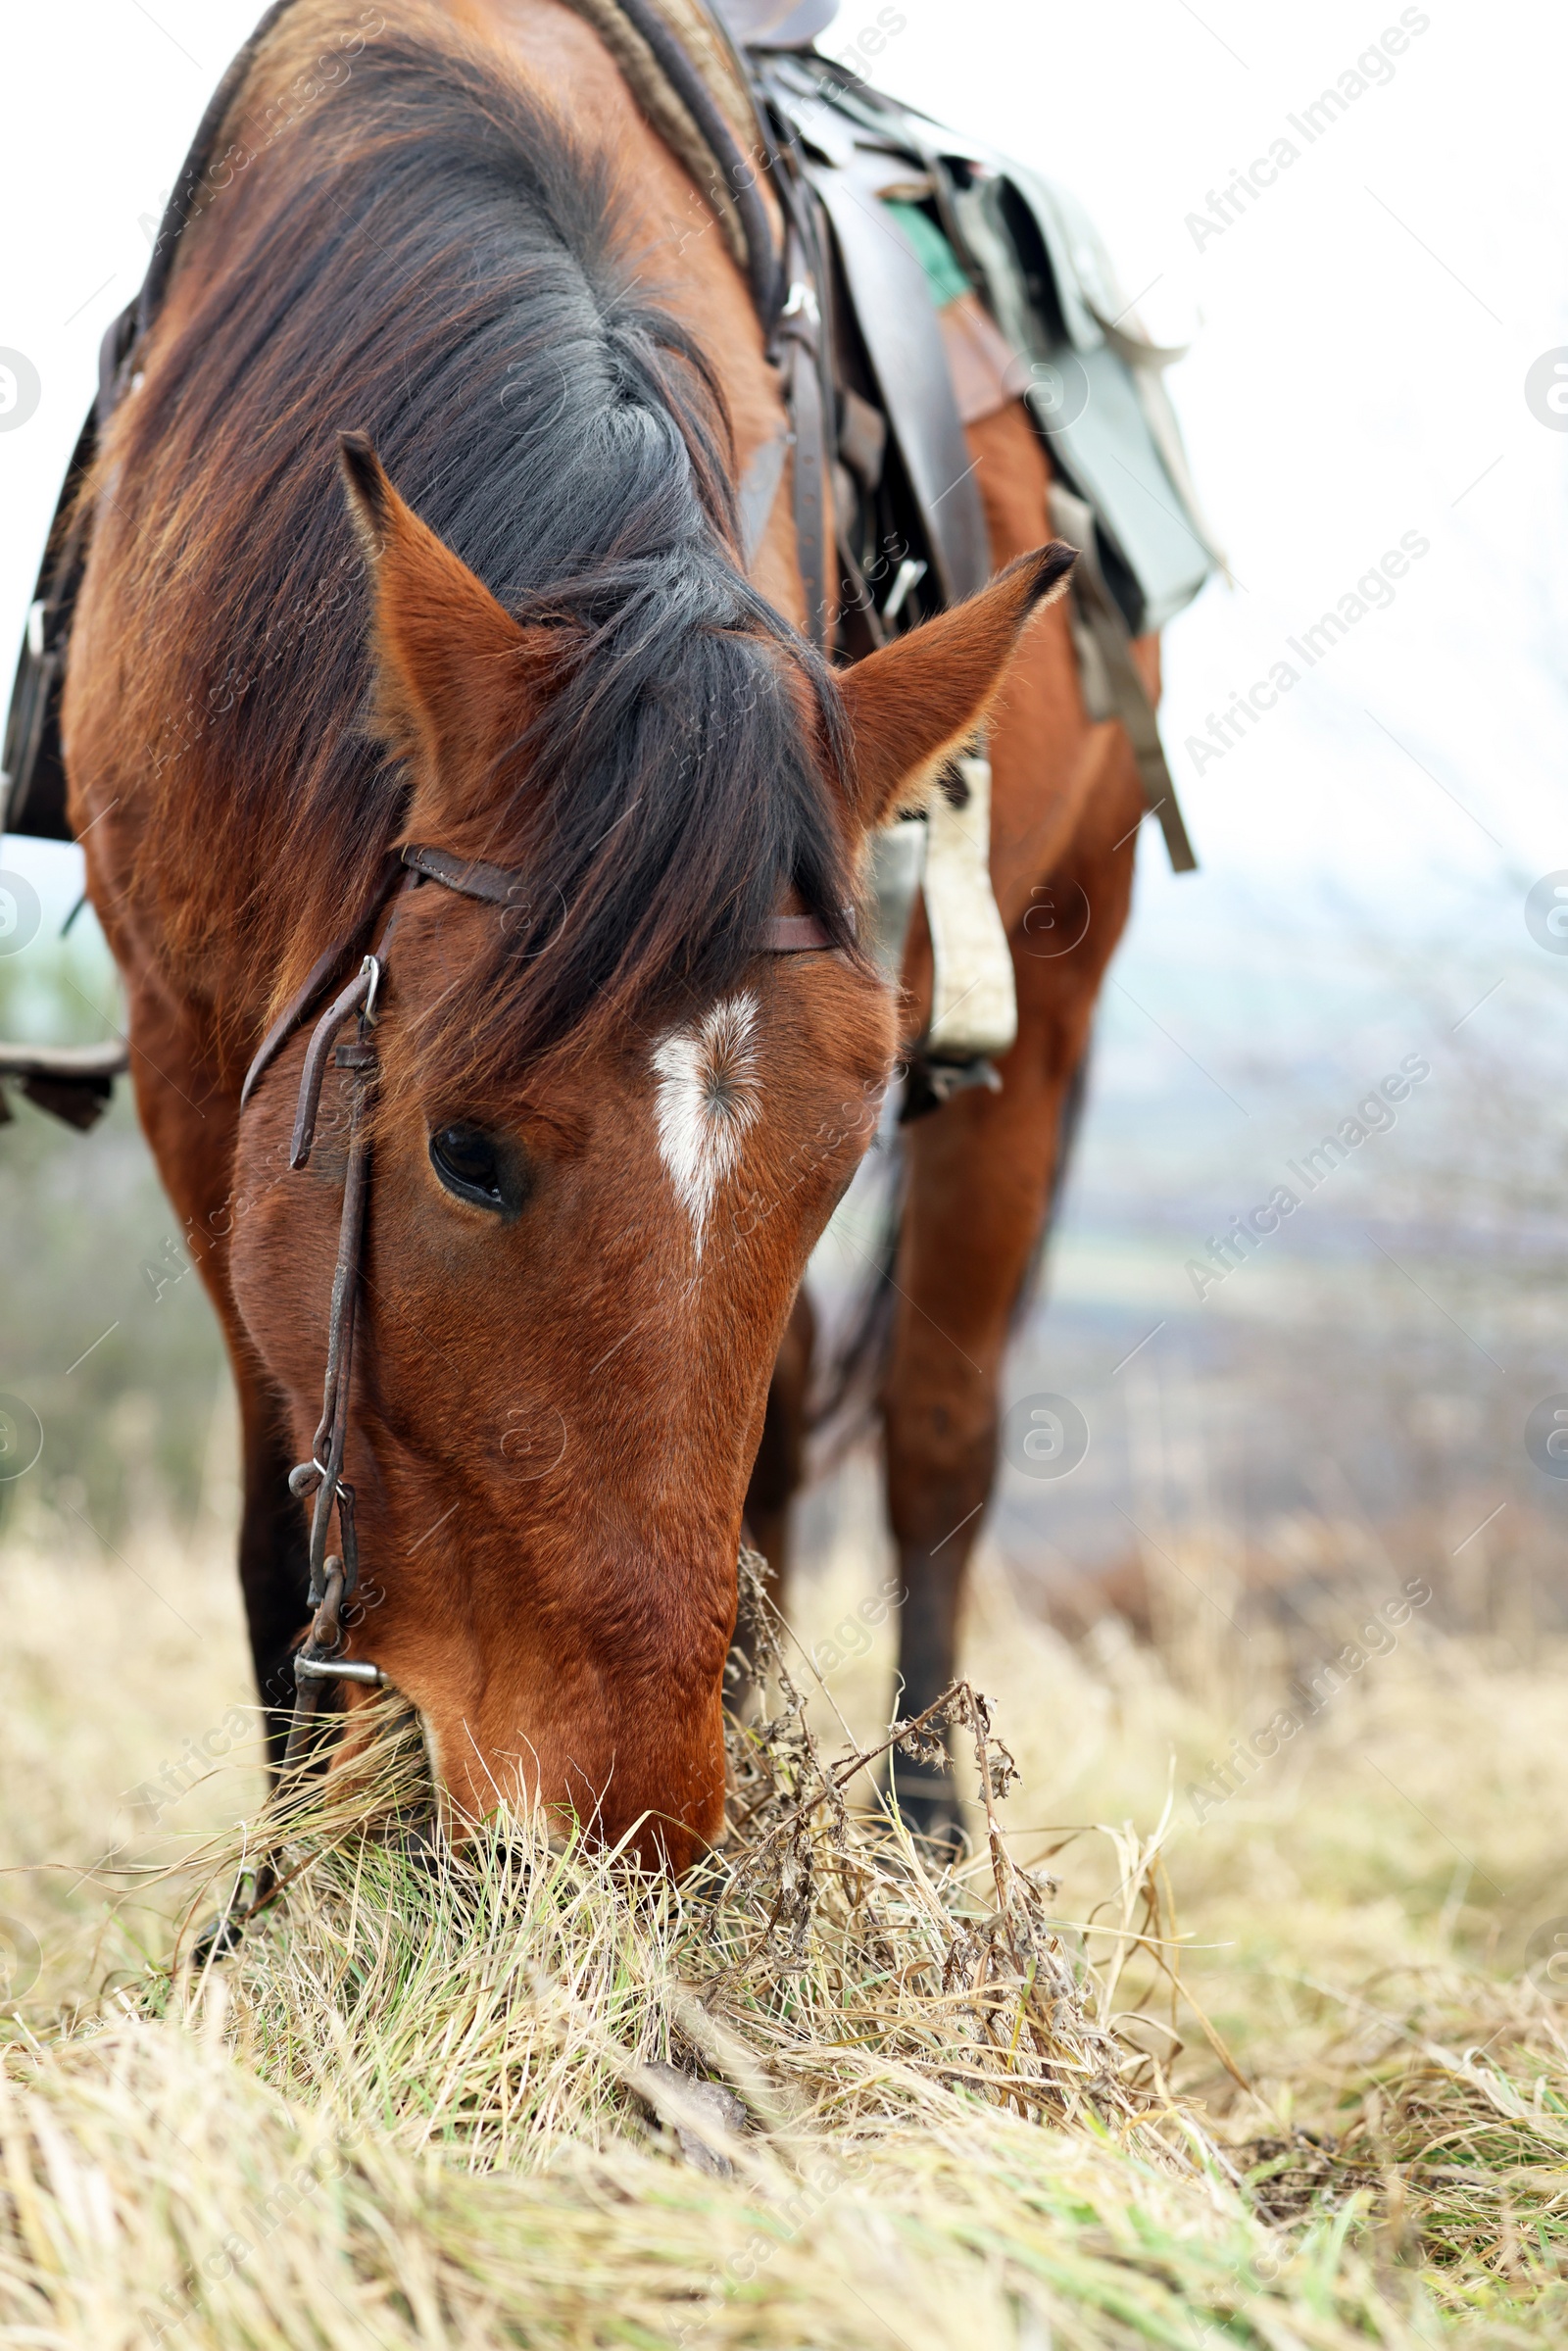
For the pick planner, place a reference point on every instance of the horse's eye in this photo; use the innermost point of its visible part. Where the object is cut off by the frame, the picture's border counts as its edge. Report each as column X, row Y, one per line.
column 468, row 1162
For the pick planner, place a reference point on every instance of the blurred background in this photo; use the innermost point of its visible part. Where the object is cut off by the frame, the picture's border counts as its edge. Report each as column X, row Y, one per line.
column 1371, row 357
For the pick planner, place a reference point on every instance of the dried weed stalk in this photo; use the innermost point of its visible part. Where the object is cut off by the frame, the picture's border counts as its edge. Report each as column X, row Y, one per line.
column 527, row 1989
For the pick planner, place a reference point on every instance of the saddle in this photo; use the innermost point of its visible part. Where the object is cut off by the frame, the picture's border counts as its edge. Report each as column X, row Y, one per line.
column 922, row 278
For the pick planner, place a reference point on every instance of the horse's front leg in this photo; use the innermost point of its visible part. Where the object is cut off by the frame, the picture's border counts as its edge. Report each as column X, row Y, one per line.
column 982, row 1171
column 778, row 1471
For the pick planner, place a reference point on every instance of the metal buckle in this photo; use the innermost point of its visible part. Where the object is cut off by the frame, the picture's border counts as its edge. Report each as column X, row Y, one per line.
column 803, row 299
column 912, row 571
column 339, row 1669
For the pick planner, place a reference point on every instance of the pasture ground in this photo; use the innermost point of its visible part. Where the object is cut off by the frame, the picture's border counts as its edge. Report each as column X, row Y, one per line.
column 411, row 2116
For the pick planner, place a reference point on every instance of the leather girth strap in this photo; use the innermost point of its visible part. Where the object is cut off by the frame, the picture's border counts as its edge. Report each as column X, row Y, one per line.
column 1112, row 685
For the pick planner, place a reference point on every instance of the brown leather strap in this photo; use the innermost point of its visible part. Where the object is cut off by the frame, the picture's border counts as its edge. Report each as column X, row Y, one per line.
column 893, row 307
column 333, row 1578
column 353, row 999
column 310, row 988
column 293, row 1013
column 1112, row 687
column 798, row 332
column 470, row 877
column 797, row 934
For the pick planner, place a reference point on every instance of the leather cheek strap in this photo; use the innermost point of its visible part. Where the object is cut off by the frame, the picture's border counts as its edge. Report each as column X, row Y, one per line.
column 321, row 971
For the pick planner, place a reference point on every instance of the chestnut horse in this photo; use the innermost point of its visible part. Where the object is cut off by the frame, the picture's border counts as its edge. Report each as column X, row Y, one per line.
column 514, row 627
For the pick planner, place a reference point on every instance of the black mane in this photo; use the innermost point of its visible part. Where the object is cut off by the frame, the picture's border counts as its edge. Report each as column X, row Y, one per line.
column 430, row 258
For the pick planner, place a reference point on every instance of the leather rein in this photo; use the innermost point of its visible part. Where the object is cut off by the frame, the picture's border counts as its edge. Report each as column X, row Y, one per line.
column 335, row 1575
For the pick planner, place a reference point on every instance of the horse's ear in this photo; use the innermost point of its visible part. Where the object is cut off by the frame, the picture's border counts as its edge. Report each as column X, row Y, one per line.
column 455, row 677
column 921, row 699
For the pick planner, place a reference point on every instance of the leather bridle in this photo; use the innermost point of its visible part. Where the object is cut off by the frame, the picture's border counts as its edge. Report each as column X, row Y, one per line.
column 335, row 1575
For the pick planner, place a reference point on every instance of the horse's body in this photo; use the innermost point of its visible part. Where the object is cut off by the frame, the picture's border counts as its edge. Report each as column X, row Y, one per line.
column 568, row 1327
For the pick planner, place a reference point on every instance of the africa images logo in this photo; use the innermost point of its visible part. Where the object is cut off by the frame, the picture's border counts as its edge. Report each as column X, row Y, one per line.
column 1546, row 1436
column 1546, row 389
column 20, row 389
column 1045, row 1436
column 1546, row 913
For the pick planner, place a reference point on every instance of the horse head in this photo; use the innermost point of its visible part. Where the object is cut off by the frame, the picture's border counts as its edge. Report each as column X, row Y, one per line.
column 609, row 1127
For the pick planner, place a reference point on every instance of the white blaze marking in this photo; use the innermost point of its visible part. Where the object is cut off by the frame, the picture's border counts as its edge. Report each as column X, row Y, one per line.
column 708, row 1095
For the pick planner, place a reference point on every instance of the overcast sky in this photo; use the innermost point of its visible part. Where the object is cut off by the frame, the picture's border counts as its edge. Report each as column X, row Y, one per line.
column 1362, row 337
column 1362, row 333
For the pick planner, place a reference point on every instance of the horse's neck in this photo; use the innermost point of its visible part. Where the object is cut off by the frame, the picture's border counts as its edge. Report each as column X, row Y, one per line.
column 195, row 899
column 684, row 262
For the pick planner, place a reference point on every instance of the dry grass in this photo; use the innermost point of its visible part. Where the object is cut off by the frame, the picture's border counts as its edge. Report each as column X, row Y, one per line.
column 453, row 2099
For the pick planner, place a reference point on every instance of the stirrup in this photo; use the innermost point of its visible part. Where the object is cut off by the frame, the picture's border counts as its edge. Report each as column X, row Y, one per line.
column 72, row 1082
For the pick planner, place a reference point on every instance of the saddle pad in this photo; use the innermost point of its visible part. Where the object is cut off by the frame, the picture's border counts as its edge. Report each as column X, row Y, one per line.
column 1097, row 391
column 1094, row 381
